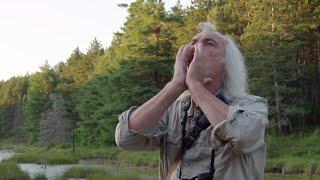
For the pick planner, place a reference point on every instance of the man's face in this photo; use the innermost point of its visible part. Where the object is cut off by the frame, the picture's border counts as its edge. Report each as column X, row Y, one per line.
column 214, row 52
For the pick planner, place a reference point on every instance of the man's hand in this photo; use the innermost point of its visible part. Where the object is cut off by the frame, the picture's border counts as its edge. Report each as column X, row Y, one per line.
column 181, row 65
column 196, row 72
column 201, row 91
column 150, row 113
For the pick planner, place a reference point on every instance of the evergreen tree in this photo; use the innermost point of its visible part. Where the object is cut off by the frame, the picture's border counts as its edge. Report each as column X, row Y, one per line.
column 13, row 94
column 54, row 126
column 280, row 41
column 231, row 17
column 104, row 97
column 41, row 85
column 195, row 14
column 271, row 42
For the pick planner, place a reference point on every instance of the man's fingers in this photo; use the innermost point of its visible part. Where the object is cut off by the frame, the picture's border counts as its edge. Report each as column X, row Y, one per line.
column 196, row 50
column 181, row 49
column 187, row 50
column 188, row 53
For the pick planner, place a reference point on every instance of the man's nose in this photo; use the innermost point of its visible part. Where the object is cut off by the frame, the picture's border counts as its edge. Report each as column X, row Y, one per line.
column 198, row 42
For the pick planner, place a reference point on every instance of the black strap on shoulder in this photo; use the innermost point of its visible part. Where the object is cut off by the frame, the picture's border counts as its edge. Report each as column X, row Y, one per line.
column 212, row 170
column 187, row 140
column 185, row 108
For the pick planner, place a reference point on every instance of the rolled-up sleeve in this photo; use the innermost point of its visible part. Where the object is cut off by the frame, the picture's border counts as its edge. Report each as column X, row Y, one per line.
column 245, row 126
column 144, row 140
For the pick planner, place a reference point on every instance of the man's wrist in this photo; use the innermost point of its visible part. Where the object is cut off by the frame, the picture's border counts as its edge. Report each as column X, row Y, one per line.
column 178, row 87
column 193, row 86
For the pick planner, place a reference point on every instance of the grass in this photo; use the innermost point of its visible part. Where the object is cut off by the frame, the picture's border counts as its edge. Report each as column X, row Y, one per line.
column 28, row 154
column 10, row 171
column 58, row 155
column 301, row 145
column 113, row 177
column 91, row 173
column 40, row 177
column 293, row 165
column 116, row 155
column 26, row 157
column 270, row 176
column 295, row 152
column 83, row 172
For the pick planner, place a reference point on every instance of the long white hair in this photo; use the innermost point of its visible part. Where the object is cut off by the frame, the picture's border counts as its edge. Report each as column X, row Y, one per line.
column 235, row 81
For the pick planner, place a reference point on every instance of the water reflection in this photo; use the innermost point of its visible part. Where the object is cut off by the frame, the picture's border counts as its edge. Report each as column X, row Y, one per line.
column 53, row 172
column 5, row 154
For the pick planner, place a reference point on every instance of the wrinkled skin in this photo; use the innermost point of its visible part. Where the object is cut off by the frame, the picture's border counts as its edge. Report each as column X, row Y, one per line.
column 201, row 61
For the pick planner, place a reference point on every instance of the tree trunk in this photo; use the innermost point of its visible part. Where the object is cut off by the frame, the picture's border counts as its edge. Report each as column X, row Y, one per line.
column 275, row 82
column 277, row 100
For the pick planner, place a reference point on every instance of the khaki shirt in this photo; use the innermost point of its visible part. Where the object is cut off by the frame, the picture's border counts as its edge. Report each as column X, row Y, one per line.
column 239, row 140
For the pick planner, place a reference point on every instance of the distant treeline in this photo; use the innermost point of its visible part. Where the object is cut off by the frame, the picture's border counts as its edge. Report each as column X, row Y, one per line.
column 279, row 39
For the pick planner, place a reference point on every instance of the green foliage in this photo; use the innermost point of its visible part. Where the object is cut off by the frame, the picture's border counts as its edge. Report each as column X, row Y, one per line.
column 150, row 38
column 40, row 177
column 300, row 145
column 149, row 32
column 270, row 176
column 11, row 171
column 28, row 157
column 83, row 172
column 272, row 44
column 6, row 119
column 114, row 177
column 34, row 154
column 56, row 157
column 231, row 16
column 195, row 14
column 41, row 85
column 28, row 154
column 104, row 97
column 95, row 173
column 280, row 41
column 13, row 94
column 294, row 152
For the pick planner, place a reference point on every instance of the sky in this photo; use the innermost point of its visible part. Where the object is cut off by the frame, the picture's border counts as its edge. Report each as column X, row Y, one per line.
column 35, row 31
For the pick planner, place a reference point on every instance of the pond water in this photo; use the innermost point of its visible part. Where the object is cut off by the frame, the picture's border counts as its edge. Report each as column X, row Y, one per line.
column 55, row 171
column 52, row 172
column 5, row 154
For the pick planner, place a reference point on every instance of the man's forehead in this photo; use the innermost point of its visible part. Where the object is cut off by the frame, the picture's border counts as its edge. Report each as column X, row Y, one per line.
column 209, row 34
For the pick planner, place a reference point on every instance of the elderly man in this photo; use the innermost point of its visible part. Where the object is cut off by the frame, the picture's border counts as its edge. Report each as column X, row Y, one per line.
column 204, row 122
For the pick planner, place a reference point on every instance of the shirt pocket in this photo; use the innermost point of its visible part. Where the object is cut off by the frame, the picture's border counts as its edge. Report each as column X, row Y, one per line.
column 173, row 144
column 174, row 137
column 204, row 140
